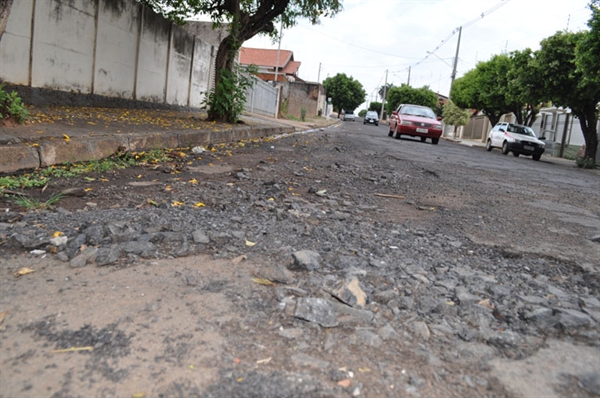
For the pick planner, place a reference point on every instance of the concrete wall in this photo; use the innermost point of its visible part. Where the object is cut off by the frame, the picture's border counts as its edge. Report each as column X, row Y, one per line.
column 298, row 95
column 113, row 48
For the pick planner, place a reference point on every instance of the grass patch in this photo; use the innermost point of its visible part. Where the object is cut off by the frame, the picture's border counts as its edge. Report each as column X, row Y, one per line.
column 34, row 204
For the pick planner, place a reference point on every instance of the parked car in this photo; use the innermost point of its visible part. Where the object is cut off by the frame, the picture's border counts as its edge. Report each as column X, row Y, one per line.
column 520, row 140
column 348, row 115
column 372, row 118
column 415, row 121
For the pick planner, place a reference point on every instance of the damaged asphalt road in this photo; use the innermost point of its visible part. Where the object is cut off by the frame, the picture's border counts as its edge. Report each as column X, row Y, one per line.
column 334, row 263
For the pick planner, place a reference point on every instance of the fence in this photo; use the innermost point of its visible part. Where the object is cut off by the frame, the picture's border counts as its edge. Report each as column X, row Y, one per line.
column 263, row 99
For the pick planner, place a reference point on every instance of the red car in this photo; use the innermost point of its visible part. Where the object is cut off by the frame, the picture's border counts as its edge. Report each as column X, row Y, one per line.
column 416, row 121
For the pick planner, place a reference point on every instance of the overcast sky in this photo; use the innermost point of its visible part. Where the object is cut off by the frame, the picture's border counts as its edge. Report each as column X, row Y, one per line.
column 370, row 37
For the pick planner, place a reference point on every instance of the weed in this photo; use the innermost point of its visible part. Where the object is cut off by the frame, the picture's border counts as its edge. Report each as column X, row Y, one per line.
column 227, row 100
column 11, row 106
column 34, row 204
column 585, row 163
column 303, row 114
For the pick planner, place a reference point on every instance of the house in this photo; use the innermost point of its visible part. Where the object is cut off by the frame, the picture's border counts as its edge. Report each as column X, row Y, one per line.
column 270, row 64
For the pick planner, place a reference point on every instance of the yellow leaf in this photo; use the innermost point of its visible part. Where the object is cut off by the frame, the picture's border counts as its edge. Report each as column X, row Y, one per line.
column 240, row 379
column 177, row 203
column 88, row 189
column 57, row 234
column 151, row 202
column 168, row 188
column 262, row 281
column 250, row 244
column 67, row 138
column 364, row 370
column 139, row 395
column 139, row 176
column 271, row 200
column 193, row 181
column 89, row 179
column 36, row 144
column 104, row 180
column 199, row 204
column 23, row 271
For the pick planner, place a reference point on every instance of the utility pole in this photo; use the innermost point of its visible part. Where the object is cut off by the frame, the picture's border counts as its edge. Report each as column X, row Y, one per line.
column 319, row 74
column 455, row 61
column 384, row 95
column 278, row 50
column 408, row 82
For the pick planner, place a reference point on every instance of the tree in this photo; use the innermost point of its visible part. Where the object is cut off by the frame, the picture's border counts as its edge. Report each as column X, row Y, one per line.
column 375, row 106
column 245, row 19
column 568, row 80
column 345, row 92
column 523, row 93
column 405, row 94
column 455, row 116
column 5, row 6
column 383, row 90
column 484, row 88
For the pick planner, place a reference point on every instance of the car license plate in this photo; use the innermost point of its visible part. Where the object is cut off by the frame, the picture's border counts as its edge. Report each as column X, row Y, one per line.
column 528, row 148
column 420, row 130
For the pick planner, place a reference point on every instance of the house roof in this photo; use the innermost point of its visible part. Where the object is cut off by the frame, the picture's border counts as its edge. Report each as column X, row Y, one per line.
column 268, row 58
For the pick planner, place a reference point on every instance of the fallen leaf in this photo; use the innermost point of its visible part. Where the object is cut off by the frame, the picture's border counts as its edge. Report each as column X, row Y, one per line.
column 344, row 383
column 89, row 178
column 199, row 204
column 23, row 271
column 139, row 395
column 73, row 349
column 261, row 361
column 364, row 370
column 238, row 259
column 262, row 281
column 88, row 189
column 250, row 244
column 104, row 179
column 151, row 202
column 177, row 203
column 486, row 303
column 57, row 234
column 67, row 138
column 193, row 181
column 2, row 315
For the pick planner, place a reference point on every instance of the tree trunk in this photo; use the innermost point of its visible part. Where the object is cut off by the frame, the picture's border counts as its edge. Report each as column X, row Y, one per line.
column 5, row 6
column 493, row 118
column 588, row 121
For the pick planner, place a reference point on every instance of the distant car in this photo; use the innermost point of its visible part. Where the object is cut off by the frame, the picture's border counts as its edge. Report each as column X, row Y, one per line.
column 520, row 140
column 372, row 118
column 348, row 115
column 415, row 121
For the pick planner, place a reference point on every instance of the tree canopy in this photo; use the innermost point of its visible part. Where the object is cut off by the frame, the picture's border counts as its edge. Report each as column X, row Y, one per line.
column 345, row 92
column 567, row 81
column 455, row 116
column 406, row 94
column 244, row 19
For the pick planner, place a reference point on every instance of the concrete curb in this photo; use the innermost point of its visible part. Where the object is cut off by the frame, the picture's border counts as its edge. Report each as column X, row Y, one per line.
column 17, row 156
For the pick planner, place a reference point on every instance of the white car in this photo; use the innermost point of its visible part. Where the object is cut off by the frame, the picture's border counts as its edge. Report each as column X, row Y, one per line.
column 349, row 115
column 520, row 140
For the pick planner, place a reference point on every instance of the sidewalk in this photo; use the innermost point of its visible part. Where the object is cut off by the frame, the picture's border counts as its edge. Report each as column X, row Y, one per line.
column 57, row 135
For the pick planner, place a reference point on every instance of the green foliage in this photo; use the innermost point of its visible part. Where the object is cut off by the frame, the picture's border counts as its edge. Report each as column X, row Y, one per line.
column 226, row 101
column 362, row 113
column 585, row 163
column 455, row 116
column 406, row 94
column 244, row 19
column 34, row 204
column 375, row 106
column 485, row 88
column 345, row 92
column 12, row 106
column 568, row 84
column 303, row 114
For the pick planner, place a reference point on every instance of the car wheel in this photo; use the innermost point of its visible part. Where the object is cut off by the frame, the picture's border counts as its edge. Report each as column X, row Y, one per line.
column 488, row 145
column 505, row 148
column 516, row 154
column 423, row 139
column 435, row 141
column 536, row 156
column 391, row 132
